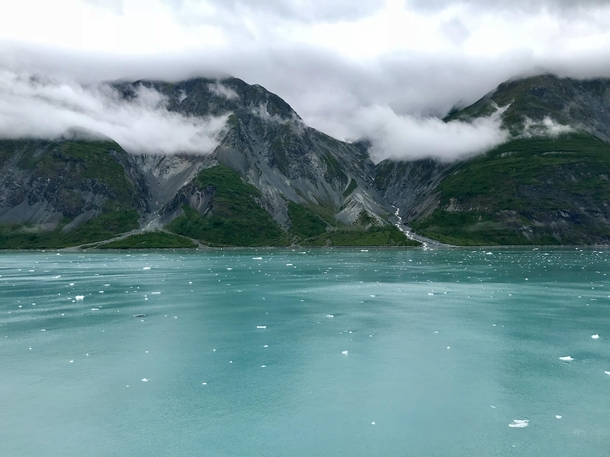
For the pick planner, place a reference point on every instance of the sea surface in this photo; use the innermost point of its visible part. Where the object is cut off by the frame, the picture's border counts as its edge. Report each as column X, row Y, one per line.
column 303, row 353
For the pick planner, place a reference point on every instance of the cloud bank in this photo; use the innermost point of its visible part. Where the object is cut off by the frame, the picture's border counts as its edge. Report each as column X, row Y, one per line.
column 409, row 137
column 32, row 107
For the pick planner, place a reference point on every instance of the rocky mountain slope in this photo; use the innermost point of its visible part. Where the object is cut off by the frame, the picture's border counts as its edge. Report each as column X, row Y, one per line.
column 271, row 181
column 548, row 185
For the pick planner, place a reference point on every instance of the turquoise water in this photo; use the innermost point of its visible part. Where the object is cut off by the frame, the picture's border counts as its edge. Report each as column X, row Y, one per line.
column 445, row 349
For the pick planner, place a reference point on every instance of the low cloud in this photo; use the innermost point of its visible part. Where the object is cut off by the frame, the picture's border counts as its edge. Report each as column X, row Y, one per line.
column 31, row 107
column 545, row 128
column 221, row 90
column 409, row 137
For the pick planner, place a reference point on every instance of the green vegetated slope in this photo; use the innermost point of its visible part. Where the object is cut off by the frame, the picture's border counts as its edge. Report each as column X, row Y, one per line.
column 150, row 240
column 528, row 191
column 373, row 236
column 233, row 218
column 68, row 178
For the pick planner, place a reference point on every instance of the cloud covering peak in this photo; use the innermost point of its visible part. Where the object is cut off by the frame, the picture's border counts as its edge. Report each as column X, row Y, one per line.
column 34, row 107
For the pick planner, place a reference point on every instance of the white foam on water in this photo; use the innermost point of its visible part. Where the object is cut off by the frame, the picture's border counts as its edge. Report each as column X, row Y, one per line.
column 373, row 296
column 79, row 297
column 493, row 406
column 43, row 329
column 146, row 268
column 519, row 423
column 567, row 358
column 595, row 337
column 155, row 293
column 430, row 293
column 288, row 264
column 95, row 309
column 344, row 352
column 261, row 326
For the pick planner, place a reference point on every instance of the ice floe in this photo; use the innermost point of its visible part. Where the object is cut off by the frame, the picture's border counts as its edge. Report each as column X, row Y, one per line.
column 519, row 423
column 144, row 380
column 595, row 337
column 79, row 297
column 567, row 358
column 261, row 326
column 344, row 352
column 146, row 268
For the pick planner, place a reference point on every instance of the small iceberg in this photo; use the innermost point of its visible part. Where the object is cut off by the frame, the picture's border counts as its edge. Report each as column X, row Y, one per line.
column 519, row 423
column 144, row 380
column 595, row 337
column 261, row 326
column 344, row 352
column 79, row 297
column 146, row 268
column 330, row 316
column 567, row 358
column 257, row 258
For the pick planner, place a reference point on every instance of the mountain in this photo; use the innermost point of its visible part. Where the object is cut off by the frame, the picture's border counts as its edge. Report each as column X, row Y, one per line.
column 272, row 180
column 549, row 184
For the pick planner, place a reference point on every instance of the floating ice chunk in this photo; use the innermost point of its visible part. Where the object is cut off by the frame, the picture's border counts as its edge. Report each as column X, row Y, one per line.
column 373, row 423
column 204, row 383
column 263, row 366
column 557, row 416
column 364, row 250
column 101, row 291
column 79, row 297
column 257, row 258
column 144, row 380
column 146, row 268
column 607, row 372
column 330, row 315
column 95, row 309
column 155, row 293
column 373, row 296
column 519, row 423
column 266, row 346
column 71, row 284
column 493, row 406
column 261, row 326
column 56, row 277
column 71, row 361
column 229, row 269
column 448, row 347
column 567, row 358
column 489, row 253
column 595, row 337
column 288, row 264
column 344, row 352
column 43, row 329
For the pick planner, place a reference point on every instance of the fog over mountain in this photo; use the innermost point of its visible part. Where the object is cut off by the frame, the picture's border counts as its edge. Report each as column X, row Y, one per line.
column 387, row 70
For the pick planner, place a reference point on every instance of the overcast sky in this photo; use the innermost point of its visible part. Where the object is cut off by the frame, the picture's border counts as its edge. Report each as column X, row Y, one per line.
column 350, row 68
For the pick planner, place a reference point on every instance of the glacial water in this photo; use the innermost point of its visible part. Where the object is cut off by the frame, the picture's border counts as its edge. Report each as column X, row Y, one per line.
column 464, row 352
